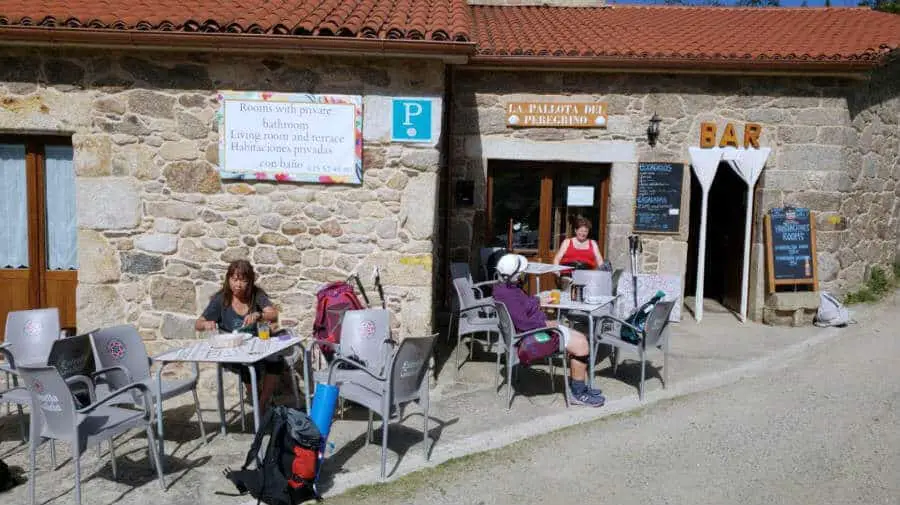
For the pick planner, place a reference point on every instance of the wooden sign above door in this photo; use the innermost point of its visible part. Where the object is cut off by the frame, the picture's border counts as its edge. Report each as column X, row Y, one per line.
column 556, row 115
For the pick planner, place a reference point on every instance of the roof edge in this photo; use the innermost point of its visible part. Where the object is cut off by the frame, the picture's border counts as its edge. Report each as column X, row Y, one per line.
column 449, row 51
column 850, row 69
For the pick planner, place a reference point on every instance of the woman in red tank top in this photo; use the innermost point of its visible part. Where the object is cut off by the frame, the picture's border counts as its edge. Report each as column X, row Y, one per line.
column 579, row 248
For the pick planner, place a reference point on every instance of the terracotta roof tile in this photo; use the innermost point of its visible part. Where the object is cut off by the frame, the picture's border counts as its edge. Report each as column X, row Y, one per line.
column 396, row 19
column 703, row 33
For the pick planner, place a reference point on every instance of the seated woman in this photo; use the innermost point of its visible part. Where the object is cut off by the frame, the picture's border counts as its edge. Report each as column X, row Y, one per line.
column 526, row 314
column 580, row 249
column 242, row 303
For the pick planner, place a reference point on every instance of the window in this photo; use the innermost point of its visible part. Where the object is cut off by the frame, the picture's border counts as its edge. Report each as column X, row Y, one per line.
column 38, row 227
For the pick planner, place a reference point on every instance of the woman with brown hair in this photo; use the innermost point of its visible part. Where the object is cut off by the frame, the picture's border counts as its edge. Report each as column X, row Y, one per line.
column 239, row 304
column 580, row 249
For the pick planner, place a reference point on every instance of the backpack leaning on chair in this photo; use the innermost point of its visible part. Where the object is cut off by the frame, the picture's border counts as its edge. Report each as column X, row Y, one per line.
column 331, row 302
column 286, row 473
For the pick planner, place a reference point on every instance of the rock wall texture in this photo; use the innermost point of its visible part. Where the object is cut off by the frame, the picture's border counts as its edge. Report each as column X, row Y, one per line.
column 157, row 226
column 834, row 149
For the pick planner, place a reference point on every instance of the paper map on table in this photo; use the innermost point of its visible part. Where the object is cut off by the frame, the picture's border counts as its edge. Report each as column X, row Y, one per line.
column 251, row 350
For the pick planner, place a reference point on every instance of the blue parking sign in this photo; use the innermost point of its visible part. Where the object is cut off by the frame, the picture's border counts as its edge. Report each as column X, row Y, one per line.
column 411, row 120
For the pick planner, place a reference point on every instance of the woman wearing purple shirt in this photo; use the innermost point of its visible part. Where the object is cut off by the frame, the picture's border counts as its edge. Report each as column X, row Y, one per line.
column 526, row 314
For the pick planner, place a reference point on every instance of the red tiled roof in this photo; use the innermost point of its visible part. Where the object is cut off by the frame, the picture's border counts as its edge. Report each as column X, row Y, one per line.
column 647, row 33
column 441, row 20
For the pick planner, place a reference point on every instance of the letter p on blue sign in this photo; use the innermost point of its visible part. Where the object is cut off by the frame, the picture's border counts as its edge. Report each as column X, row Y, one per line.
column 411, row 120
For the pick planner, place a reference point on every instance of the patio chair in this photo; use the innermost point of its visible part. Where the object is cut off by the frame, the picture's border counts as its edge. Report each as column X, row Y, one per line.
column 475, row 316
column 122, row 360
column 509, row 341
column 654, row 334
column 57, row 418
column 388, row 390
column 28, row 336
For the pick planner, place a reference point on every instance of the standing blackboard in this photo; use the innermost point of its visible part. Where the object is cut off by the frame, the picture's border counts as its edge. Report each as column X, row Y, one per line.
column 657, row 207
column 791, row 247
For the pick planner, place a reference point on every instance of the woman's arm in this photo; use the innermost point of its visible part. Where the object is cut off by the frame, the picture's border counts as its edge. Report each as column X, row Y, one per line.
column 561, row 252
column 210, row 317
column 203, row 325
column 597, row 256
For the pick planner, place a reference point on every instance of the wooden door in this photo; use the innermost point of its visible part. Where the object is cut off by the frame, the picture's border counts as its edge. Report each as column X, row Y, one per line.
column 527, row 211
column 29, row 279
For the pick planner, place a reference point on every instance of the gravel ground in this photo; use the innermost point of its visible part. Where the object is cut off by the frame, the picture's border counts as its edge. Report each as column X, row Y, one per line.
column 821, row 429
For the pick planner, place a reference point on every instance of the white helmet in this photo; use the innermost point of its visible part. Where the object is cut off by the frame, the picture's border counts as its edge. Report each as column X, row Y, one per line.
column 511, row 266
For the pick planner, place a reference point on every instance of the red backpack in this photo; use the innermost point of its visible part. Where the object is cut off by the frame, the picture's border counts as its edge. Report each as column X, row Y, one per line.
column 331, row 303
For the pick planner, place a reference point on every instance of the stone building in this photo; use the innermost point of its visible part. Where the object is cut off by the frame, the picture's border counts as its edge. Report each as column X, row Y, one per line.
column 108, row 116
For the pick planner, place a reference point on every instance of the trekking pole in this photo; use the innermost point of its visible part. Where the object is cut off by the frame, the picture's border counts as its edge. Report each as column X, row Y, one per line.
column 634, row 247
column 376, row 279
column 359, row 284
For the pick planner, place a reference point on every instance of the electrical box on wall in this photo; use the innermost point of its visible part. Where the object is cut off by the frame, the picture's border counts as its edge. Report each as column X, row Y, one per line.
column 465, row 193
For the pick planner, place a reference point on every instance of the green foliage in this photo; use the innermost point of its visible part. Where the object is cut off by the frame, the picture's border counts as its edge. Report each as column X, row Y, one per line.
column 876, row 286
column 892, row 6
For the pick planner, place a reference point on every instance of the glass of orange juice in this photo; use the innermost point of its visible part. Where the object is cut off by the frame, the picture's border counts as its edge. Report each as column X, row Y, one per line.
column 554, row 296
column 263, row 331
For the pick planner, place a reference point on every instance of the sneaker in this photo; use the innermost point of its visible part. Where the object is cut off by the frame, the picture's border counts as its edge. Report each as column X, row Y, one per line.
column 586, row 399
column 594, row 392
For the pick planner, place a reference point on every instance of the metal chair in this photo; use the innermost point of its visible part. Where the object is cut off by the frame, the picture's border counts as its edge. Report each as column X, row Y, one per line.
column 475, row 316
column 122, row 358
column 57, row 418
column 403, row 380
column 654, row 334
column 28, row 336
column 509, row 341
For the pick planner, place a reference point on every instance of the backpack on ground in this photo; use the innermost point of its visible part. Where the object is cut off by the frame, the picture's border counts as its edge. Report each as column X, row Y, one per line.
column 831, row 312
column 286, row 473
column 8, row 480
column 332, row 301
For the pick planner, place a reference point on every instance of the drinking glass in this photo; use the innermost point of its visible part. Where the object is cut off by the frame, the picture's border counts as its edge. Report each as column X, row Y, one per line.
column 262, row 330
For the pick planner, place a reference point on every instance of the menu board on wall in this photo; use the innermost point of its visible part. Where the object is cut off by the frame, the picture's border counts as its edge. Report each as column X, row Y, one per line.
column 791, row 247
column 657, row 207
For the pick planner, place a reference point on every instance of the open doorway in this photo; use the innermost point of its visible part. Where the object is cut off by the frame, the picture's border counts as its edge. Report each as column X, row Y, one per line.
column 724, row 240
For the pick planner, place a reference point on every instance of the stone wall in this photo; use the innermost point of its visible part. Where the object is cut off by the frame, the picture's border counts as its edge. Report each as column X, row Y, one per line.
column 831, row 140
column 157, row 227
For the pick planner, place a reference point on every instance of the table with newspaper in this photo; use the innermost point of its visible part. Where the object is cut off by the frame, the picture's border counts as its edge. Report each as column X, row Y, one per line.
column 251, row 351
column 593, row 308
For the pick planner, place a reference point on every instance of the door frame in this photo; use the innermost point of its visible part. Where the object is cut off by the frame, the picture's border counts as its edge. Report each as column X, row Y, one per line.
column 38, row 293
column 547, row 170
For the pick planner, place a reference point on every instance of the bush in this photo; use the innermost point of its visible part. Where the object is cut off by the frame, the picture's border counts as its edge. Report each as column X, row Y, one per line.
column 876, row 286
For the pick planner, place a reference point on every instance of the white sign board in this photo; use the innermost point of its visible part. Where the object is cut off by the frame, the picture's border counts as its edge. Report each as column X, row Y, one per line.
column 580, row 196
column 290, row 137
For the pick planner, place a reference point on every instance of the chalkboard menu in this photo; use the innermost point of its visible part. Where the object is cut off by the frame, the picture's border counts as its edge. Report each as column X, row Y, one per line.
column 791, row 247
column 657, row 208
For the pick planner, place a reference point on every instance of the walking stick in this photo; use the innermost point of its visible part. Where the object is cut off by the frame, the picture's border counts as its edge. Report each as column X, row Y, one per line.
column 634, row 247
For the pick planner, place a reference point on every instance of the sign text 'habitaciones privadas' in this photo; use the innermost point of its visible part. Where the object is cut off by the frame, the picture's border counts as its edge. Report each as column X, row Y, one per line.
column 556, row 115
column 290, row 137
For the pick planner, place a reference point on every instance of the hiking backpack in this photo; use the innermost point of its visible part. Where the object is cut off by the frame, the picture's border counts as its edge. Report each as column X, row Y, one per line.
column 331, row 303
column 286, row 473
column 831, row 312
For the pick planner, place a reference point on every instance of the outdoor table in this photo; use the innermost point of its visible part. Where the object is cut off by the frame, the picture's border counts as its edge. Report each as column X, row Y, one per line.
column 249, row 352
column 538, row 269
column 603, row 305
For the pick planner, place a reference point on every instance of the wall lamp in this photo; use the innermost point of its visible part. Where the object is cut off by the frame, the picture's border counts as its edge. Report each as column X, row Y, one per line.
column 653, row 130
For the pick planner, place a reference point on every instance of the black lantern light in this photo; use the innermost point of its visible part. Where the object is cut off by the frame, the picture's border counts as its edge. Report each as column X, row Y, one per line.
column 653, row 129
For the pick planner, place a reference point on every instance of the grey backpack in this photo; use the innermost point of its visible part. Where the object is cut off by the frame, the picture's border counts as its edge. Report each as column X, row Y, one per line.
column 831, row 312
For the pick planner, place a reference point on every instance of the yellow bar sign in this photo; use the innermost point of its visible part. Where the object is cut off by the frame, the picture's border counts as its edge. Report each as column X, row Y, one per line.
column 556, row 115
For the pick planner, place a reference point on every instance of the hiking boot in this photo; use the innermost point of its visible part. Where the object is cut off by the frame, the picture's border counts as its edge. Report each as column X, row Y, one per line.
column 586, row 399
column 594, row 392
